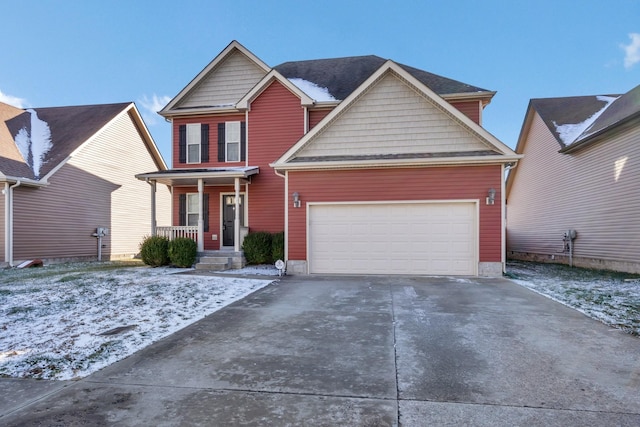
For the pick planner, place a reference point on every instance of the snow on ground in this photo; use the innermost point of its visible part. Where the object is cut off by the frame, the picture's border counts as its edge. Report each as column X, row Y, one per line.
column 58, row 322
column 613, row 298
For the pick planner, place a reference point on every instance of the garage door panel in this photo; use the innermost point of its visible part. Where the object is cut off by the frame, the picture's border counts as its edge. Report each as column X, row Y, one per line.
column 411, row 238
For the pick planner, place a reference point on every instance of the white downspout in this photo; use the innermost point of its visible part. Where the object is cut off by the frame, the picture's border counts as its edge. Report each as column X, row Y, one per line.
column 9, row 223
column 503, row 198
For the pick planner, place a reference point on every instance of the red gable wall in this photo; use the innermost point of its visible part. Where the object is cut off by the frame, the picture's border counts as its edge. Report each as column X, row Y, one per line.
column 276, row 122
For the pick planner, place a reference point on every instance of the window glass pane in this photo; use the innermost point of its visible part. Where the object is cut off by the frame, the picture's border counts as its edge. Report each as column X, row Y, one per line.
column 193, row 142
column 193, row 154
column 192, row 203
column 233, row 152
column 232, row 132
column 192, row 219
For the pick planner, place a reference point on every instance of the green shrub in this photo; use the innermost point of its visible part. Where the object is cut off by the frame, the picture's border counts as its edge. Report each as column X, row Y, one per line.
column 257, row 247
column 154, row 251
column 277, row 246
column 183, row 252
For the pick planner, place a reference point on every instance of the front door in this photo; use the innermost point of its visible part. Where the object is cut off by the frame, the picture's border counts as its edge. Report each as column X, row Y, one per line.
column 228, row 218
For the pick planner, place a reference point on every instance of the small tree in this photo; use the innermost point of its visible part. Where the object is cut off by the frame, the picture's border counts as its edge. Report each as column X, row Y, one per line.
column 154, row 251
column 183, row 252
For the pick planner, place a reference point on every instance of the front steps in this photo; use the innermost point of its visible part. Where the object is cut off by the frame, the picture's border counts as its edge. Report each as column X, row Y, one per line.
column 220, row 260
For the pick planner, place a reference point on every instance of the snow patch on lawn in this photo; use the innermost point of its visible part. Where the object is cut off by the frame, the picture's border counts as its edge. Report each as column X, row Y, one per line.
column 613, row 300
column 53, row 325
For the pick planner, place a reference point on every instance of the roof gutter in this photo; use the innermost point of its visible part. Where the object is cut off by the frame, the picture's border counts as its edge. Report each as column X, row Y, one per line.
column 475, row 160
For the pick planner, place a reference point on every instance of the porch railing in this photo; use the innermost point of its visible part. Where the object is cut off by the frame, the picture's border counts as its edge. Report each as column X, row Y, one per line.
column 189, row 231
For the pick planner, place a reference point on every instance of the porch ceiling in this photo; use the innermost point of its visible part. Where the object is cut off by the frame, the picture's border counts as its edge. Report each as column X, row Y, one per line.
column 210, row 176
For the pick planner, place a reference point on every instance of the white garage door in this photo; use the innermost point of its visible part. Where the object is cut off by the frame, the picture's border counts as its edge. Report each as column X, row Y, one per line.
column 395, row 238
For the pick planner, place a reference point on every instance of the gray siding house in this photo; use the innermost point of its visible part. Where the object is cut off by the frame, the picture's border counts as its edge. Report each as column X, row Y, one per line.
column 580, row 172
column 67, row 171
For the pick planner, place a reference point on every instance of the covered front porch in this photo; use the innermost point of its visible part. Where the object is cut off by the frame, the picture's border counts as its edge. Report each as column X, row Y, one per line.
column 191, row 189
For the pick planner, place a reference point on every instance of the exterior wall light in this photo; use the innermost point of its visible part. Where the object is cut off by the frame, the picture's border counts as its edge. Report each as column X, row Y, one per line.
column 296, row 200
column 491, row 197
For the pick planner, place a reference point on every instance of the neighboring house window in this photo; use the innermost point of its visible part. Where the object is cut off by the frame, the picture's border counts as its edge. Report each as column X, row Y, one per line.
column 188, row 207
column 193, row 143
column 232, row 142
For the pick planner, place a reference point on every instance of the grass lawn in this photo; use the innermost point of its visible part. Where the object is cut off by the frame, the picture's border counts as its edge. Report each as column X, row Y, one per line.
column 66, row 321
column 611, row 297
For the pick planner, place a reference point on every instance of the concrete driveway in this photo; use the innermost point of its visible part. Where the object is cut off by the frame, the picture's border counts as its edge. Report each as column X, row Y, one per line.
column 361, row 351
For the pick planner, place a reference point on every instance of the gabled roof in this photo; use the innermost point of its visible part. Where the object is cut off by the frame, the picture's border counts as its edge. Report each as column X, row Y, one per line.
column 214, row 103
column 576, row 121
column 272, row 76
column 342, row 76
column 479, row 145
column 50, row 136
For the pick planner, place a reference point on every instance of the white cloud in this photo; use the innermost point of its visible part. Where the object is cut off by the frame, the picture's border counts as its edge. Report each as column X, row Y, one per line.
column 152, row 106
column 12, row 100
column 632, row 51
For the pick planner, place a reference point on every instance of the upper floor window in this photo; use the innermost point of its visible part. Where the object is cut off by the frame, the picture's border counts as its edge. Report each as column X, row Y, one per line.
column 232, row 142
column 193, row 144
column 194, row 137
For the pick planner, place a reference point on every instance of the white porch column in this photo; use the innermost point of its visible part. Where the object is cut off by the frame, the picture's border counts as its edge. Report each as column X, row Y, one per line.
column 200, row 215
column 236, row 221
column 153, row 207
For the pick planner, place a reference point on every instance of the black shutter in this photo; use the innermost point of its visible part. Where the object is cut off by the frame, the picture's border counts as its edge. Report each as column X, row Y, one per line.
column 221, row 153
column 204, row 143
column 182, row 143
column 182, row 209
column 243, row 141
column 205, row 211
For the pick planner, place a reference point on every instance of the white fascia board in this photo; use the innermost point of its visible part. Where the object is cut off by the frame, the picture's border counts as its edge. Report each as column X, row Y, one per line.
column 448, row 161
column 230, row 173
column 273, row 75
column 234, row 45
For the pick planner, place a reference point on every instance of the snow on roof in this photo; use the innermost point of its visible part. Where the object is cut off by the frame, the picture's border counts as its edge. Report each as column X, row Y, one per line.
column 314, row 91
column 570, row 133
column 35, row 145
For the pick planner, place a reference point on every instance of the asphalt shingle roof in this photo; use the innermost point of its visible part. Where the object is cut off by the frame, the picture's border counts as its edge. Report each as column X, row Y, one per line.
column 70, row 127
column 341, row 76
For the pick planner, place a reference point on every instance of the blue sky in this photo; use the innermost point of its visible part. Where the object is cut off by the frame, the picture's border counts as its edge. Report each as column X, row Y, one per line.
column 78, row 52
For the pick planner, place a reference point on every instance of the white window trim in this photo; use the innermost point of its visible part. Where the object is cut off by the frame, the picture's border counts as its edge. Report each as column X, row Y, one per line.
column 194, row 130
column 229, row 127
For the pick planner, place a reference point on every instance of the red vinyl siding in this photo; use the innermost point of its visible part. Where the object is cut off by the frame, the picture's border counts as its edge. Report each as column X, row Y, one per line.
column 276, row 122
column 316, row 115
column 437, row 183
column 212, row 121
column 471, row 109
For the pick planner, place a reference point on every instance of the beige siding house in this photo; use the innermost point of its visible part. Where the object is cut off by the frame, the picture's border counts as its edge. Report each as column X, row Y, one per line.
column 74, row 172
column 581, row 172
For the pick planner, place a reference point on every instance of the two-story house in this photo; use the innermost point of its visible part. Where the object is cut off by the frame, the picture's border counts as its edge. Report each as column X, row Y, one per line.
column 367, row 165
